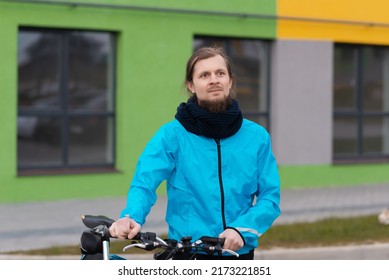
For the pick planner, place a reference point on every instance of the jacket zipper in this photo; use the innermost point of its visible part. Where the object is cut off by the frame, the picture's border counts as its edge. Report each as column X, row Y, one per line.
column 219, row 156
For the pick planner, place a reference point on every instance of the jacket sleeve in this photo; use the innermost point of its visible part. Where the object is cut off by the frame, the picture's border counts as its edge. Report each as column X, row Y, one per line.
column 155, row 165
column 258, row 219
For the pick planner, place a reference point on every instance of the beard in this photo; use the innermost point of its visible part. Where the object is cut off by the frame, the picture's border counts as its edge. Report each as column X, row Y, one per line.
column 216, row 106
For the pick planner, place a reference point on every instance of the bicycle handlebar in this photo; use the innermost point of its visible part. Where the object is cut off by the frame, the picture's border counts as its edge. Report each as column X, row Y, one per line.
column 99, row 232
column 150, row 241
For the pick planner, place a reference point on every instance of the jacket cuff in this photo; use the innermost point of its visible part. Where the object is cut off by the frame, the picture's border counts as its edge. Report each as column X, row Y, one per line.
column 241, row 236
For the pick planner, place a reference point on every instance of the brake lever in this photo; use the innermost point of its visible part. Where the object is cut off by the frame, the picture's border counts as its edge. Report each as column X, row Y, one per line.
column 230, row 252
column 145, row 246
column 215, row 248
column 139, row 245
column 161, row 241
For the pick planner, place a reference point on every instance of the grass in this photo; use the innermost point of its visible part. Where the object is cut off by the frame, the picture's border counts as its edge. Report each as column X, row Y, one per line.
column 328, row 232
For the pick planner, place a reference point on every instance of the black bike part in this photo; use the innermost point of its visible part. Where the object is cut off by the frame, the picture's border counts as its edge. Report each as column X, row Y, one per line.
column 164, row 255
column 91, row 243
column 149, row 239
column 92, row 221
column 186, row 240
column 212, row 245
column 103, row 231
column 168, row 251
column 213, row 240
column 171, row 243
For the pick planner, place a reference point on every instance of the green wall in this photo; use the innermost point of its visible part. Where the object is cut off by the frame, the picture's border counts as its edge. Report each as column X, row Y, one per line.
column 153, row 47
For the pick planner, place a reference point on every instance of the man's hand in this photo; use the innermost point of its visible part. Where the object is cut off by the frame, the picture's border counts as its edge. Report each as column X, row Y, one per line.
column 124, row 228
column 233, row 241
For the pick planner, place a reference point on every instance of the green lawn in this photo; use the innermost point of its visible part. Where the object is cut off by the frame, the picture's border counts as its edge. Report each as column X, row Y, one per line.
column 327, row 232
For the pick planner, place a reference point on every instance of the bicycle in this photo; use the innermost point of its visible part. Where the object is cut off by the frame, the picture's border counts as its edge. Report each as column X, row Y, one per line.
column 95, row 243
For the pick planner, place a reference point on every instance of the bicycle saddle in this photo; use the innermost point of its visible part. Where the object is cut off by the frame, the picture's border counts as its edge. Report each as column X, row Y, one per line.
column 92, row 221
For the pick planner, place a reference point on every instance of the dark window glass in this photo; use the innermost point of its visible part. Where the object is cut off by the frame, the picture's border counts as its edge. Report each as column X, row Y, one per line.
column 375, row 85
column 344, row 79
column 251, row 68
column 65, row 99
column 39, row 59
column 39, row 141
column 376, row 135
column 345, row 136
column 89, row 86
column 89, row 139
column 361, row 102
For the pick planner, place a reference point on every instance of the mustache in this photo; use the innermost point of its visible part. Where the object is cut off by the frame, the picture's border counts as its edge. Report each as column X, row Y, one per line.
column 215, row 88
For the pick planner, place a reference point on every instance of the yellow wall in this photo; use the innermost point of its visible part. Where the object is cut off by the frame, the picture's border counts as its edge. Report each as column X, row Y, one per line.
column 345, row 11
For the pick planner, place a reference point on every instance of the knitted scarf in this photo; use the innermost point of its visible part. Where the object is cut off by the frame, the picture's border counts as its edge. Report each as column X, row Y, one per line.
column 199, row 121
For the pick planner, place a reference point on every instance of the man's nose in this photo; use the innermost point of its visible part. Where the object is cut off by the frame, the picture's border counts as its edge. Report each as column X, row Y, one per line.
column 213, row 79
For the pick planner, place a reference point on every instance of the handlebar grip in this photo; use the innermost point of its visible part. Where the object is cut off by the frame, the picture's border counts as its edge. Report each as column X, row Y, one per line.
column 137, row 236
column 213, row 240
column 221, row 241
column 145, row 236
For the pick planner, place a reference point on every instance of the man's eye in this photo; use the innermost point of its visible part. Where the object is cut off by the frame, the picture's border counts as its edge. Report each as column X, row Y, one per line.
column 221, row 73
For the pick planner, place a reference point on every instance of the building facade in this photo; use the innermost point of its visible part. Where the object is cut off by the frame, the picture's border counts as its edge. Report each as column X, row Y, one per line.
column 85, row 84
column 331, row 62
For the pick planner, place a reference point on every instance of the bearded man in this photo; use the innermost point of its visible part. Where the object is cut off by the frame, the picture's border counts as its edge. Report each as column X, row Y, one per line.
column 221, row 175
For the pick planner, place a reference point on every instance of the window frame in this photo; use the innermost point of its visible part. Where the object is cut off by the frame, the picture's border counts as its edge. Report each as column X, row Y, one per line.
column 359, row 114
column 65, row 115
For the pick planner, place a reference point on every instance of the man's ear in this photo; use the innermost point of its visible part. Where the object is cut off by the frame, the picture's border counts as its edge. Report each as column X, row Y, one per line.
column 190, row 86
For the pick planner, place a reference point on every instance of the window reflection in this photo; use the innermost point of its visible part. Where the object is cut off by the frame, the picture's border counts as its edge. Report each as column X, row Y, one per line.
column 90, row 139
column 361, row 107
column 88, row 71
column 376, row 135
column 64, row 74
column 39, row 142
column 345, row 136
column 39, row 84
column 375, row 72
column 345, row 79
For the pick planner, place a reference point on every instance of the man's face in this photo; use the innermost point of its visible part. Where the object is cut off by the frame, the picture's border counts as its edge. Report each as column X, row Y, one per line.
column 211, row 81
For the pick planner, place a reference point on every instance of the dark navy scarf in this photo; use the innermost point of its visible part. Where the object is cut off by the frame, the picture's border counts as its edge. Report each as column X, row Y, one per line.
column 199, row 121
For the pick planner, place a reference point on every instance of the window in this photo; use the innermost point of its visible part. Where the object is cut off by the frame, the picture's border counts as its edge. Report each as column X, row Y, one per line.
column 65, row 99
column 250, row 59
column 361, row 102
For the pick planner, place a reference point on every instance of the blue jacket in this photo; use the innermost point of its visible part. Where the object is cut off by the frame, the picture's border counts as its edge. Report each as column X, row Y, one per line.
column 211, row 184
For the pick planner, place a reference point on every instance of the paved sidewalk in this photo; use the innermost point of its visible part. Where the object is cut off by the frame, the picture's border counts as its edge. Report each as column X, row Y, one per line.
column 35, row 225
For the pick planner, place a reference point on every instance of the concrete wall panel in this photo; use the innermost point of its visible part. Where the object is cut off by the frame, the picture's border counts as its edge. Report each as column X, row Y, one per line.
column 301, row 102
